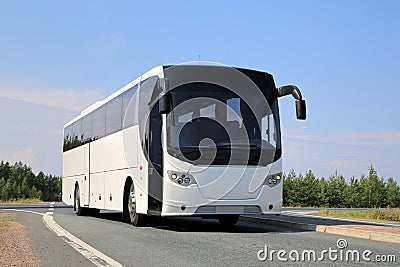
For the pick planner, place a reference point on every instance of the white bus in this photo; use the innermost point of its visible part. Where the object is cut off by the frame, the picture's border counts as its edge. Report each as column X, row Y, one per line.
column 182, row 140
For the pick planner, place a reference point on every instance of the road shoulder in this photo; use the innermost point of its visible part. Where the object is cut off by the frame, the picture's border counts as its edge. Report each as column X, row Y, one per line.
column 15, row 245
column 51, row 249
column 361, row 229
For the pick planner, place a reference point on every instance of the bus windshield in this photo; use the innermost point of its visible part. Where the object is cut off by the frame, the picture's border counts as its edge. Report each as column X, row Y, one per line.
column 212, row 125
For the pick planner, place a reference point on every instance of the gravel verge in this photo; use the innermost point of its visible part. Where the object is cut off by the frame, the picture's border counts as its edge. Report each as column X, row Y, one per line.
column 15, row 246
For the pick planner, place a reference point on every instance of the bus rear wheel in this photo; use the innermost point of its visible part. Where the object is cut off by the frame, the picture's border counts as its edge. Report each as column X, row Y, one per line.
column 80, row 211
column 228, row 220
column 135, row 218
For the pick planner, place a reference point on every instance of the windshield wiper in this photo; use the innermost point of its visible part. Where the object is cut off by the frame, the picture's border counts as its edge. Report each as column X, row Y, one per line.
column 240, row 146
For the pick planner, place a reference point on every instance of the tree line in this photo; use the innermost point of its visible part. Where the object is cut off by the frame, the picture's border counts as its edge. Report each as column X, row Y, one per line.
column 19, row 182
column 368, row 191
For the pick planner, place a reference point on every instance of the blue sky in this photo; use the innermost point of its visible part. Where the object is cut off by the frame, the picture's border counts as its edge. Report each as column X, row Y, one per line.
column 57, row 57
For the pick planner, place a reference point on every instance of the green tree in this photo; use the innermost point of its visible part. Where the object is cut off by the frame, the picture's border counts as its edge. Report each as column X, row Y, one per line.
column 353, row 193
column 374, row 195
column 335, row 188
column 392, row 193
column 3, row 192
column 289, row 189
column 18, row 180
column 310, row 192
column 322, row 196
column 5, row 170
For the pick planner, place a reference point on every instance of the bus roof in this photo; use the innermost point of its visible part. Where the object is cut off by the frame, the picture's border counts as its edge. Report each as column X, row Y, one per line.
column 158, row 70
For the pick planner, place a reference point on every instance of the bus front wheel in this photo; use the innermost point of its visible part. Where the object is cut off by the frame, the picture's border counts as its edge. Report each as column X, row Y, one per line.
column 135, row 218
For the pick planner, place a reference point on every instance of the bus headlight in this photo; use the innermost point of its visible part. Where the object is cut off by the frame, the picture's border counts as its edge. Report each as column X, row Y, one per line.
column 273, row 179
column 183, row 179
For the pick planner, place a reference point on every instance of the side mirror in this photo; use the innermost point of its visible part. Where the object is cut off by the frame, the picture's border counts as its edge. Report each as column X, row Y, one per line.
column 295, row 92
column 301, row 109
column 164, row 103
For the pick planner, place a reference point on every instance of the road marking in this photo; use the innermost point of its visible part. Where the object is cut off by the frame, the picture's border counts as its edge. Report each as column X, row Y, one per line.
column 294, row 214
column 95, row 256
column 34, row 212
column 89, row 252
column 51, row 209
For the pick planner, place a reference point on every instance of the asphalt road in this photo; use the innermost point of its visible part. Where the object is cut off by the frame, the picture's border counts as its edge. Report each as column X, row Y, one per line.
column 184, row 241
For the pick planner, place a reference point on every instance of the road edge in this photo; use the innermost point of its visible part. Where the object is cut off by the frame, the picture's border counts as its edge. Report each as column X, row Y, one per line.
column 89, row 252
column 336, row 230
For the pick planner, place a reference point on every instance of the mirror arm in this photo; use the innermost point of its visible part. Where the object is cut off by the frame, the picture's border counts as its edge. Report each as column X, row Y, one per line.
column 295, row 92
column 289, row 89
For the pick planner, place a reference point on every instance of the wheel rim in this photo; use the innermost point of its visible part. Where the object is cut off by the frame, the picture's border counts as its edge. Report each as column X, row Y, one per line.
column 132, row 201
column 77, row 204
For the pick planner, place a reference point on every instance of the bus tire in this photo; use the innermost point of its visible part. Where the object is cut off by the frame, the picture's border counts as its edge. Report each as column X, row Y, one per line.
column 129, row 212
column 80, row 211
column 228, row 220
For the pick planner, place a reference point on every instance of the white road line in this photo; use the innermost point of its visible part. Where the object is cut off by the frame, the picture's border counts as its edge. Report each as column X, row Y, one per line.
column 51, row 209
column 34, row 212
column 89, row 252
column 293, row 214
column 95, row 256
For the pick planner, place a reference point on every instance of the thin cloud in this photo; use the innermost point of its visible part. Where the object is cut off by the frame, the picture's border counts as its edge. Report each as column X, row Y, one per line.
column 376, row 138
column 325, row 154
column 26, row 155
column 33, row 130
column 48, row 95
column 346, row 165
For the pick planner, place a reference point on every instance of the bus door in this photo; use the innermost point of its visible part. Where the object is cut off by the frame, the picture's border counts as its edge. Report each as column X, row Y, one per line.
column 155, row 167
column 148, row 113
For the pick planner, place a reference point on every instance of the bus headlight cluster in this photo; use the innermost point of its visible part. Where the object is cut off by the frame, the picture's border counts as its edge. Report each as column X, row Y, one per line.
column 181, row 178
column 273, row 179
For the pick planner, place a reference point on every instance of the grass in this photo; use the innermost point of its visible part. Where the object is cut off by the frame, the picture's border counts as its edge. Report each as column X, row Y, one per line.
column 5, row 217
column 374, row 214
column 3, row 223
column 21, row 201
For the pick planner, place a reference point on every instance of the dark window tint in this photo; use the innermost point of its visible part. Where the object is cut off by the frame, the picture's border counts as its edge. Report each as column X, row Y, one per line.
column 87, row 123
column 114, row 117
column 68, row 133
column 107, row 119
column 99, row 122
column 155, row 148
column 77, row 131
column 128, row 103
column 67, row 138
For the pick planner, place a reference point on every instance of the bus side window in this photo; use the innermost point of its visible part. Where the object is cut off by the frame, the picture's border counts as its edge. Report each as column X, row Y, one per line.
column 67, row 138
column 113, row 115
column 76, row 133
column 87, row 124
column 99, row 122
column 128, row 107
